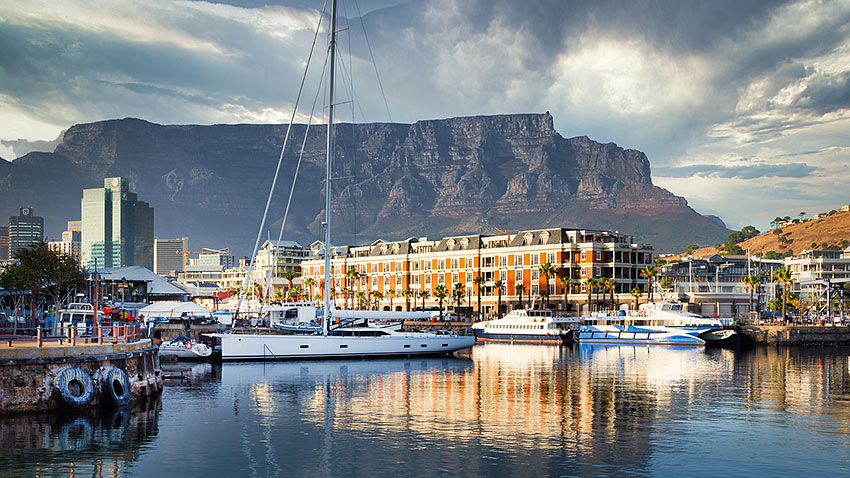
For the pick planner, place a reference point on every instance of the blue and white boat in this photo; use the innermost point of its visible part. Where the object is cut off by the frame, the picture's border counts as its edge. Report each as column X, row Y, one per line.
column 528, row 326
column 656, row 323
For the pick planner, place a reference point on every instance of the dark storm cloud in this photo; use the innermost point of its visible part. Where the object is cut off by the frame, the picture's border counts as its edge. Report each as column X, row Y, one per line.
column 747, row 171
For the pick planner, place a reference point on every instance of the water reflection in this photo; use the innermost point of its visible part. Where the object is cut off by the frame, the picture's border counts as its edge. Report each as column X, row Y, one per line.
column 504, row 410
column 93, row 444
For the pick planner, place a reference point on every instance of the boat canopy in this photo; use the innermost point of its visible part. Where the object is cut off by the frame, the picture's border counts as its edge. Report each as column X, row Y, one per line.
column 174, row 309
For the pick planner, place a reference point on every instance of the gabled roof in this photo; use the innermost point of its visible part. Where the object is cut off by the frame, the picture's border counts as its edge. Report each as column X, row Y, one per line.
column 155, row 284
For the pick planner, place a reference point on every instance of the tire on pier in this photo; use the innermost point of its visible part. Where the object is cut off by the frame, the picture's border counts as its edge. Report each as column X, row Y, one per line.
column 74, row 388
column 114, row 387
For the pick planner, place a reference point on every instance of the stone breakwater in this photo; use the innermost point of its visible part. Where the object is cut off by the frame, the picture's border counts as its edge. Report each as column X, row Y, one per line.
column 82, row 376
column 798, row 335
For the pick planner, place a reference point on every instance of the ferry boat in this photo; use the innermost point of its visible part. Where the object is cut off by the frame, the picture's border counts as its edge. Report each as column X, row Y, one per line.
column 528, row 326
column 656, row 323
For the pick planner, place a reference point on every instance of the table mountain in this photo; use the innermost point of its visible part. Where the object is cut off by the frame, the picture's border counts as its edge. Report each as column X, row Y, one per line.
column 434, row 177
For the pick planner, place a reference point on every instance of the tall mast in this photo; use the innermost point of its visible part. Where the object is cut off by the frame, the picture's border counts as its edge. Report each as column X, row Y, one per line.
column 329, row 160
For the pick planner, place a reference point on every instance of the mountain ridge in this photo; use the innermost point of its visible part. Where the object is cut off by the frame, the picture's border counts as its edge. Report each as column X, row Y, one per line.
column 432, row 177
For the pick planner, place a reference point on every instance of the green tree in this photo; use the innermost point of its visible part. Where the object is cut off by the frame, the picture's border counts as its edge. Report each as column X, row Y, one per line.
column 424, row 294
column 590, row 283
column 310, row 283
column 520, row 289
column 635, row 292
column 547, row 270
column 377, row 296
column 649, row 273
column 458, row 293
column 784, row 277
column 691, row 249
column 390, row 294
column 751, row 282
column 498, row 285
column 479, row 282
column 290, row 276
column 407, row 294
column 566, row 285
column 361, row 298
column 440, row 293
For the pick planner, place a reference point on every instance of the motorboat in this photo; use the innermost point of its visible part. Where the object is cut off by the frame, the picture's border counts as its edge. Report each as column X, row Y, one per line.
column 185, row 348
column 658, row 323
column 528, row 326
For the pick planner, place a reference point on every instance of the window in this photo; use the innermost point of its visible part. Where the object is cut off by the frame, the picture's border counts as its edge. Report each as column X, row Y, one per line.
column 426, row 265
column 534, row 259
column 518, row 260
column 441, row 279
column 414, row 279
column 503, row 276
column 427, row 279
column 455, row 264
column 598, row 256
column 583, row 255
column 503, row 261
column 550, row 257
column 416, row 265
column 488, row 262
column 535, row 274
column 455, row 278
column 441, row 264
column 470, row 261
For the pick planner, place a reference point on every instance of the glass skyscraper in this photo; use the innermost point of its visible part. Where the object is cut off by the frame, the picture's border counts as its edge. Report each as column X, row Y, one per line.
column 117, row 228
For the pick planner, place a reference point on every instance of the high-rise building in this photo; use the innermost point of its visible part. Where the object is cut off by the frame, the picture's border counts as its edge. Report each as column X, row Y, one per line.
column 71, row 239
column 168, row 255
column 4, row 243
column 25, row 229
column 117, row 228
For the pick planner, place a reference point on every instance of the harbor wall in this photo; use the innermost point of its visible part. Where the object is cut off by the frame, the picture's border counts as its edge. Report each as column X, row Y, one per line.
column 28, row 374
column 798, row 335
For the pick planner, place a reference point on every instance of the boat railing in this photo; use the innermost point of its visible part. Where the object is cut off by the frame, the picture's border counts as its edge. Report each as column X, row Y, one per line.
column 74, row 334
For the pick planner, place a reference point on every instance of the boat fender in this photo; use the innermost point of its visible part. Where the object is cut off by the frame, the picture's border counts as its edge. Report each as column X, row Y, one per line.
column 74, row 387
column 115, row 387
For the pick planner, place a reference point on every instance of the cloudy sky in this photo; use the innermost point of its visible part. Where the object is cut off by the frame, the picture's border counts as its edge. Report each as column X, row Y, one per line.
column 742, row 107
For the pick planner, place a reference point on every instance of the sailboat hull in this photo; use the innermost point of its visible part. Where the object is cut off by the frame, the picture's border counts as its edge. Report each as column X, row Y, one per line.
column 289, row 347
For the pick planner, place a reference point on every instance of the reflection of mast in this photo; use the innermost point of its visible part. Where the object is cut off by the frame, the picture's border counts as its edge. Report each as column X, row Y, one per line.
column 327, row 443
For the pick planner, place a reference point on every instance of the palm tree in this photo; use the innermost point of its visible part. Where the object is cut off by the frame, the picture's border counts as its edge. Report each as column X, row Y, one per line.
column 609, row 285
column 498, row 285
column 377, row 295
column 567, row 284
column 353, row 275
column 391, row 293
column 479, row 281
column 278, row 296
column 424, row 295
column 547, row 270
column 361, row 297
column 783, row 276
column 590, row 283
column 636, row 294
column 294, row 293
column 520, row 288
column 751, row 282
column 440, row 293
column 289, row 276
column 407, row 294
column 649, row 272
column 310, row 282
column 458, row 294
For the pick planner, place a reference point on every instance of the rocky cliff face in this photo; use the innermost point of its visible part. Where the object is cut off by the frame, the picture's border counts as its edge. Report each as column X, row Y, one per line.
column 433, row 177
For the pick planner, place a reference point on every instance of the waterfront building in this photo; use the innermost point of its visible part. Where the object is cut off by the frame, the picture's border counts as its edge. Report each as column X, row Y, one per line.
column 24, row 230
column 169, row 255
column 816, row 265
column 4, row 242
column 117, row 228
column 71, row 241
column 713, row 284
column 514, row 259
column 217, row 257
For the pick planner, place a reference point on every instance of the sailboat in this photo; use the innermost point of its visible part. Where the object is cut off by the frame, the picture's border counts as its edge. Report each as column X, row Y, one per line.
column 341, row 342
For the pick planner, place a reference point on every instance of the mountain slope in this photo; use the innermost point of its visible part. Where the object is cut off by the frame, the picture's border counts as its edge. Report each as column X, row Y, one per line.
column 436, row 177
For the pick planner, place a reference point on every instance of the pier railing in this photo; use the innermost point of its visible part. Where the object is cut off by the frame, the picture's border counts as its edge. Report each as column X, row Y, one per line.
column 70, row 335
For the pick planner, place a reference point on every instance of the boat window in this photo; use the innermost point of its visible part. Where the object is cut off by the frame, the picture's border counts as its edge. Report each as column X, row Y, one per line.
column 676, row 307
column 423, row 345
column 343, row 346
column 407, row 346
column 305, row 346
column 445, row 345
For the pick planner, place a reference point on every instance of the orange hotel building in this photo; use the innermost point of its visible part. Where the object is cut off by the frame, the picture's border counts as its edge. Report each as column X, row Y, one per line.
column 422, row 264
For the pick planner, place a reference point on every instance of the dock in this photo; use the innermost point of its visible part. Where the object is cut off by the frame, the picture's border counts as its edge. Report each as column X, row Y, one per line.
column 798, row 334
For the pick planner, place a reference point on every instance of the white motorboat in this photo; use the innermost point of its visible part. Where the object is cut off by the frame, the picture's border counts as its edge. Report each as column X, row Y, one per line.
column 528, row 326
column 346, row 340
column 658, row 323
column 185, row 348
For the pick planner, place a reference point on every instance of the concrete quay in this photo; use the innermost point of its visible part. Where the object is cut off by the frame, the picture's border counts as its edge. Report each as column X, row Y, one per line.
column 80, row 376
column 798, row 334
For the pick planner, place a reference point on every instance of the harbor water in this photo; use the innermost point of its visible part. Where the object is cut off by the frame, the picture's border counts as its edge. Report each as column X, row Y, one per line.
column 500, row 410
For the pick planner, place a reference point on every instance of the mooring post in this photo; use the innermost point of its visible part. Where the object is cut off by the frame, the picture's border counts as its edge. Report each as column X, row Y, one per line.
column 114, row 334
column 73, row 335
column 38, row 336
column 99, row 335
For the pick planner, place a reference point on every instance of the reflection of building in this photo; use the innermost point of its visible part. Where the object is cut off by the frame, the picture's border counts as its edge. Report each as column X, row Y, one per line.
column 168, row 255
column 714, row 284
column 420, row 264
column 24, row 230
column 71, row 239
column 117, row 228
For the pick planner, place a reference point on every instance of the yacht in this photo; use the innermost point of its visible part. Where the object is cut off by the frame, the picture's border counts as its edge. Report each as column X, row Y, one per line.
column 528, row 326
column 657, row 323
column 185, row 348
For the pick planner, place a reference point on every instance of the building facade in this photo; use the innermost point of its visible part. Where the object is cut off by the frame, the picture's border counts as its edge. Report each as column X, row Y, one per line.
column 4, row 242
column 514, row 259
column 24, row 230
column 168, row 255
column 71, row 241
column 117, row 228
column 817, row 265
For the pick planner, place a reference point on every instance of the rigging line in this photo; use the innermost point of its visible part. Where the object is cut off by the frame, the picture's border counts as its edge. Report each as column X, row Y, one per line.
column 354, row 99
column 372, row 56
column 351, row 229
column 279, row 162
column 294, row 178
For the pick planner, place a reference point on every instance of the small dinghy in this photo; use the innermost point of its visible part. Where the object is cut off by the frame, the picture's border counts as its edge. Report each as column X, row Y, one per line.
column 185, row 348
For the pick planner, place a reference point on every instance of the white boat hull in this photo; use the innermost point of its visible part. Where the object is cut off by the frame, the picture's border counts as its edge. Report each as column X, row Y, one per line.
column 197, row 352
column 282, row 347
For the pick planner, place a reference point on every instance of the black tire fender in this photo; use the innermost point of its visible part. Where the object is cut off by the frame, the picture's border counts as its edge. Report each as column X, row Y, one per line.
column 114, row 387
column 74, row 388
